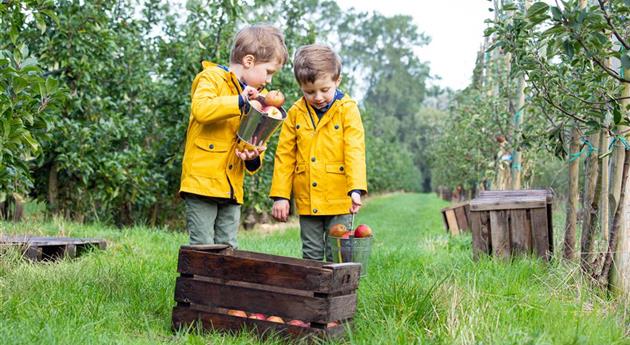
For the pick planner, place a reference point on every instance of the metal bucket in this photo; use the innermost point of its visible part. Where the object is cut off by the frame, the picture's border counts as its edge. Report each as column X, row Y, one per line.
column 256, row 127
column 351, row 250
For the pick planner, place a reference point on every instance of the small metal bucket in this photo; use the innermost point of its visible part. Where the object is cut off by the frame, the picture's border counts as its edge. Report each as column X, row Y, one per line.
column 256, row 127
column 351, row 250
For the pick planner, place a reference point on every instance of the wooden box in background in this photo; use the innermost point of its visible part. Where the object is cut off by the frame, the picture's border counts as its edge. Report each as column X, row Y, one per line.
column 456, row 218
column 512, row 222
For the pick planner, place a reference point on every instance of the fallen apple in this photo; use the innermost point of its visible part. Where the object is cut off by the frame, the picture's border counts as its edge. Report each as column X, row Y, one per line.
column 258, row 316
column 276, row 319
column 332, row 324
column 337, row 230
column 274, row 98
column 362, row 231
column 238, row 313
column 298, row 323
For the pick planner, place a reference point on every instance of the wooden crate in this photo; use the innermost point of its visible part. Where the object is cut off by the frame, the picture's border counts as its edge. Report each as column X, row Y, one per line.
column 456, row 218
column 512, row 222
column 51, row 248
column 216, row 278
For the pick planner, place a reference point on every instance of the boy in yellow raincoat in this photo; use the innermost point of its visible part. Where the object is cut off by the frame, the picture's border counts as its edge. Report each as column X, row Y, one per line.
column 321, row 153
column 214, row 160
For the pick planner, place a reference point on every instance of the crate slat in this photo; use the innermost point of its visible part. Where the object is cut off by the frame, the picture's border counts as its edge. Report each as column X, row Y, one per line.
column 500, row 234
column 521, row 232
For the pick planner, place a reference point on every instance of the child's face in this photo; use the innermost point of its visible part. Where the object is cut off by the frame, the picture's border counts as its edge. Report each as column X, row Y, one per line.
column 257, row 75
column 321, row 92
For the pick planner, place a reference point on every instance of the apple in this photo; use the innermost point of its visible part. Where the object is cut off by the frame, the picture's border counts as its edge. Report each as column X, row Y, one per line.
column 276, row 319
column 500, row 138
column 258, row 316
column 332, row 324
column 348, row 234
column 298, row 323
column 362, row 231
column 272, row 112
column 337, row 230
column 238, row 313
column 257, row 105
column 274, row 98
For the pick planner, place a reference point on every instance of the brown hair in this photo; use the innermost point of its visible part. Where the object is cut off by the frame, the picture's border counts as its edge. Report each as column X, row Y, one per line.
column 264, row 42
column 315, row 61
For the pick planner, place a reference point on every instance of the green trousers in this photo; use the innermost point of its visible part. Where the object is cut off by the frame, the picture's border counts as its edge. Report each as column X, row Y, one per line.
column 211, row 220
column 314, row 234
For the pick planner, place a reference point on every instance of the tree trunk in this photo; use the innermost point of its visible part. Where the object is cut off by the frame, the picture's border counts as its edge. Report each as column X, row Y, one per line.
column 621, row 274
column 589, row 206
column 518, row 121
column 572, row 204
column 604, row 217
column 607, row 274
column 53, row 189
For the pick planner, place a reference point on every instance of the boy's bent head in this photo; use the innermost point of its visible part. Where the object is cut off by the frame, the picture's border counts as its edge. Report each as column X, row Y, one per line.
column 264, row 42
column 316, row 61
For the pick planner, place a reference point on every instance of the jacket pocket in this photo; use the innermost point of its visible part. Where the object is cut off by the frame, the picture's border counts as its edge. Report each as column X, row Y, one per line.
column 335, row 168
column 209, row 158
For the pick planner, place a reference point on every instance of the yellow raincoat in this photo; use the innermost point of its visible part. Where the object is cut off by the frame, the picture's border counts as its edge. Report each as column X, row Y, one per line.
column 210, row 166
column 321, row 161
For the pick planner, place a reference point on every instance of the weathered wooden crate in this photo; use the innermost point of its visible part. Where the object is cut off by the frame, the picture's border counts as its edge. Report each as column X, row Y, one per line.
column 456, row 218
column 216, row 278
column 512, row 222
column 51, row 248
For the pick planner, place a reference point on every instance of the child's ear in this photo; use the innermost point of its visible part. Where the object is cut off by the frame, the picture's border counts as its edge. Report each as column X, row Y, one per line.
column 338, row 81
column 248, row 61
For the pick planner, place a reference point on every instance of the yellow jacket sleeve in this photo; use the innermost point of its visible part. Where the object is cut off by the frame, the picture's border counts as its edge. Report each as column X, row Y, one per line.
column 207, row 106
column 354, row 149
column 285, row 159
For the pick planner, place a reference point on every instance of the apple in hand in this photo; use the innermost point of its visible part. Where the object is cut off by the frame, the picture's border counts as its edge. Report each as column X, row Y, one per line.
column 338, row 230
column 362, row 231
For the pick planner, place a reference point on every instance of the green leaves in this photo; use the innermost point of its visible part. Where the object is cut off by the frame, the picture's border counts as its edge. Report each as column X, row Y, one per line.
column 537, row 13
column 625, row 59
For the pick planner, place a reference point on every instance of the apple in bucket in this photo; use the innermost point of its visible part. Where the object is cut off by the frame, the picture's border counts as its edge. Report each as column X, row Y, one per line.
column 338, row 230
column 362, row 231
column 274, row 98
column 272, row 112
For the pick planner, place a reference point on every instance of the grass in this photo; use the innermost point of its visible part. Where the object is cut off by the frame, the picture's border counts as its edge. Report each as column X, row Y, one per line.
column 422, row 288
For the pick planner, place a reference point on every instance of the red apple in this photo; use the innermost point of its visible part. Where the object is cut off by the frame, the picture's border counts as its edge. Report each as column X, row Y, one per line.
column 272, row 112
column 274, row 98
column 277, row 319
column 238, row 313
column 337, row 230
column 362, row 231
column 298, row 323
column 258, row 316
column 348, row 234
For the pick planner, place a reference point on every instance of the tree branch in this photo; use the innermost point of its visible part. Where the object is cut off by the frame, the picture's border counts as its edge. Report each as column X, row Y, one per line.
column 612, row 27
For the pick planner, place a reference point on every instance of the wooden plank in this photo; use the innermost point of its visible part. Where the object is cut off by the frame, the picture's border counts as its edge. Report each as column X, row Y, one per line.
column 520, row 229
column 480, row 223
column 444, row 220
column 291, row 275
column 500, row 234
column 184, row 316
column 516, row 193
column 550, row 228
column 462, row 220
column 452, row 222
column 507, row 203
column 190, row 290
column 277, row 258
column 345, row 277
column 540, row 232
column 34, row 253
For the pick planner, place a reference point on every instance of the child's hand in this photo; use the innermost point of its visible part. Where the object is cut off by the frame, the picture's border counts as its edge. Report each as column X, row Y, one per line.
column 356, row 202
column 280, row 210
column 249, row 92
column 248, row 155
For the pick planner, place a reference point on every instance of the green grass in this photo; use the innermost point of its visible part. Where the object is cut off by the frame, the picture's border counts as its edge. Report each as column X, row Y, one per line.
column 422, row 288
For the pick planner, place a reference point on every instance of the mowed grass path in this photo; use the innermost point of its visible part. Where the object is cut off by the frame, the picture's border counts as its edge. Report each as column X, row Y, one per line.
column 422, row 288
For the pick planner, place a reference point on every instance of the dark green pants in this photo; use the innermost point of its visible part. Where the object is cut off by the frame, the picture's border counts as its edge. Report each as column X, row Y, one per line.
column 314, row 234
column 210, row 220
